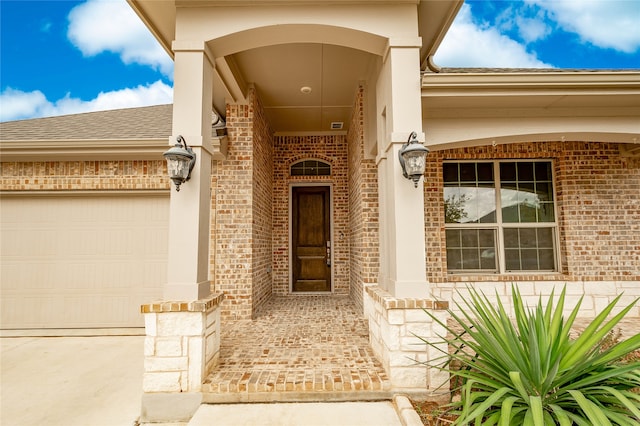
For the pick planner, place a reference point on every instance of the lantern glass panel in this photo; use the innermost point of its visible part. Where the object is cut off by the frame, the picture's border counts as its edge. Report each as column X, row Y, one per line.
column 414, row 163
column 178, row 167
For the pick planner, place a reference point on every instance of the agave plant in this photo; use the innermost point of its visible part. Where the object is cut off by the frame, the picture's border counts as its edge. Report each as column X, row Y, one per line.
column 527, row 370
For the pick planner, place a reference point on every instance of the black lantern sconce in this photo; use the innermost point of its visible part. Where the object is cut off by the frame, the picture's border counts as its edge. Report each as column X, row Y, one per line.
column 180, row 162
column 413, row 156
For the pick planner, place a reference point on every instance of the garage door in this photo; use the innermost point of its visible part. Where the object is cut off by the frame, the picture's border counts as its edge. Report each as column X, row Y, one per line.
column 81, row 262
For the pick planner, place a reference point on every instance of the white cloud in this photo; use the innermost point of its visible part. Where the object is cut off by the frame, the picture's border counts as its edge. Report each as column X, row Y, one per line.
column 17, row 105
column 470, row 45
column 99, row 26
column 604, row 23
column 532, row 29
column 529, row 21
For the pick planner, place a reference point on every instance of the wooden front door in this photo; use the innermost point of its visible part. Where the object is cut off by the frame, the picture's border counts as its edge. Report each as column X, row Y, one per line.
column 311, row 239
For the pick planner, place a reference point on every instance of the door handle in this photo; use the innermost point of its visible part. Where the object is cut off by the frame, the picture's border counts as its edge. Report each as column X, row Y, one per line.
column 329, row 253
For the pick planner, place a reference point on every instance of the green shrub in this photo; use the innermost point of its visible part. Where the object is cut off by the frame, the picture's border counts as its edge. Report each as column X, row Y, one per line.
column 526, row 370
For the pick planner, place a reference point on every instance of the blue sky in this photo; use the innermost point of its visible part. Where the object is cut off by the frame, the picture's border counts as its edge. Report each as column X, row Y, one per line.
column 63, row 57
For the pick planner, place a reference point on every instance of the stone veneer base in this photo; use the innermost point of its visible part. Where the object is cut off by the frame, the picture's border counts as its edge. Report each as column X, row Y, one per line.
column 182, row 345
column 394, row 325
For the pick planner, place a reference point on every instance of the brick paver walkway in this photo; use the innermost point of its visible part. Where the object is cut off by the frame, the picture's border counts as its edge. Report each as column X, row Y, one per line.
column 297, row 348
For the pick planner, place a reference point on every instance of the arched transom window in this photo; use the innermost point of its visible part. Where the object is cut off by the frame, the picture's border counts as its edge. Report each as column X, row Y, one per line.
column 311, row 168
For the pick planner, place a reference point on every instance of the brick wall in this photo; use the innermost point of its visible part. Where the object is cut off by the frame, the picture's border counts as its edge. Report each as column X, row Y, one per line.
column 262, row 205
column 288, row 150
column 233, row 273
column 598, row 206
column 83, row 175
column 243, row 212
column 363, row 208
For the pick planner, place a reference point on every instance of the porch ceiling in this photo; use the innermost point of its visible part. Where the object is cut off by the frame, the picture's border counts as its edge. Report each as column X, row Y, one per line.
column 280, row 73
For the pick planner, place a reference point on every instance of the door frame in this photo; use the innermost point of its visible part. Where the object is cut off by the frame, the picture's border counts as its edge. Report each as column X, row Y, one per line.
column 331, row 233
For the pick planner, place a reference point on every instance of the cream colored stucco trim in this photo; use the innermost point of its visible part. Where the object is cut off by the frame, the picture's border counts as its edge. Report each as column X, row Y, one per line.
column 610, row 82
column 480, row 108
column 58, row 150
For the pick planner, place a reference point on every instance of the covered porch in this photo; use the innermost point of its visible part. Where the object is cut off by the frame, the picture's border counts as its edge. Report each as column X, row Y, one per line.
column 291, row 305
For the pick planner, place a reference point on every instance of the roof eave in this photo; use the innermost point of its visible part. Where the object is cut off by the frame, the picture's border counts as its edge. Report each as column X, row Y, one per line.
column 159, row 16
column 434, row 21
column 82, row 150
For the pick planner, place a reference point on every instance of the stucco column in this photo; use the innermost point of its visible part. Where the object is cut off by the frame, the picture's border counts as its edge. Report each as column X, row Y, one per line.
column 190, row 208
column 402, row 251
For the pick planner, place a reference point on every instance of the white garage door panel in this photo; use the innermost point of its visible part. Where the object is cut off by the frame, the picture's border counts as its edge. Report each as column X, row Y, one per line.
column 81, row 262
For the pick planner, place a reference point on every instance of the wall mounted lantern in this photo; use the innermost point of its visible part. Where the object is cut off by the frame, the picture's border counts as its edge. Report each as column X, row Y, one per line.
column 180, row 162
column 412, row 158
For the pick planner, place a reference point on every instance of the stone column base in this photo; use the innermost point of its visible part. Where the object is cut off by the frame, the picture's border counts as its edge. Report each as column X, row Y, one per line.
column 393, row 326
column 181, row 347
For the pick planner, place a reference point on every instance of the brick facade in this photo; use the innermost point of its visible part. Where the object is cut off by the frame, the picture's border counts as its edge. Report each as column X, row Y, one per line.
column 83, row 175
column 598, row 210
column 596, row 200
column 363, row 208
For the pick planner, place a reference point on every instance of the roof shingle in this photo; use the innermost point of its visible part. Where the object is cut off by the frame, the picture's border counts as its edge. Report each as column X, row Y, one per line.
column 152, row 122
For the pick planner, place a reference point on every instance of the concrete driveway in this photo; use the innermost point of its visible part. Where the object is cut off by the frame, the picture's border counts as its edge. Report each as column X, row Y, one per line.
column 66, row 381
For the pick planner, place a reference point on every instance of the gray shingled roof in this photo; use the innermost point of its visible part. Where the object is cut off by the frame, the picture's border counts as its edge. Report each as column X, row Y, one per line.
column 153, row 122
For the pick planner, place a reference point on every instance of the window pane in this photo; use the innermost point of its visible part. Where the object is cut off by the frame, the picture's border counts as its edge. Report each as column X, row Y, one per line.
column 454, row 259
column 547, row 260
column 545, row 213
column 454, row 206
column 544, row 237
column 485, row 172
column 525, row 171
column 510, row 212
column 508, row 171
column 543, row 171
column 467, row 172
column 527, row 212
column 544, row 190
column 468, row 203
column 488, row 259
column 512, row 260
column 453, row 238
column 511, row 238
column 450, row 172
column 486, row 237
column 486, row 204
column 470, row 238
column 529, row 259
column 470, row 259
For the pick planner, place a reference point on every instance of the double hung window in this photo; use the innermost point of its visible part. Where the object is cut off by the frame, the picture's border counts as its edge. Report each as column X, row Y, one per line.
column 500, row 217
